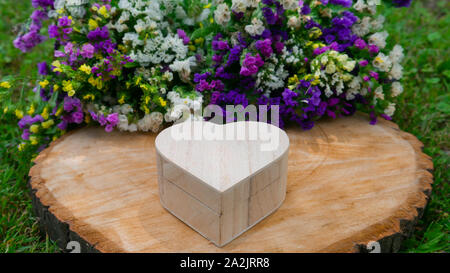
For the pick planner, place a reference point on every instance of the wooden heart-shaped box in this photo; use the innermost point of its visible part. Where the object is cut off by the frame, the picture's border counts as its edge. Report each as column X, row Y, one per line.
column 222, row 179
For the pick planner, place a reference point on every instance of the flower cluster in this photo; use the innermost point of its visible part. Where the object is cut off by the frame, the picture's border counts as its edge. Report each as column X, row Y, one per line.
column 135, row 65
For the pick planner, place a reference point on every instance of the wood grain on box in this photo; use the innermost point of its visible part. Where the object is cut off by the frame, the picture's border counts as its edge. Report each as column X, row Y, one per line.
column 221, row 188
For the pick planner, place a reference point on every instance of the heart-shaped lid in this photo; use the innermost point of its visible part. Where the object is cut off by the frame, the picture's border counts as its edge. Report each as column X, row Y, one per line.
column 222, row 155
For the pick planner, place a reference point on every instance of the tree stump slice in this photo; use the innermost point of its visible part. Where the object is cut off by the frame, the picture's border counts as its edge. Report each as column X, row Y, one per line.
column 350, row 184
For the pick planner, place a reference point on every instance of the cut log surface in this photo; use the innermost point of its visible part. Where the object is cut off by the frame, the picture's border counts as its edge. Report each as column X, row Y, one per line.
column 350, row 186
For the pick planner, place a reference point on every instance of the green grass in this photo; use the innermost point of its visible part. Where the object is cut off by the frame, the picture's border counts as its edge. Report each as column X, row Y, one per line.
column 423, row 110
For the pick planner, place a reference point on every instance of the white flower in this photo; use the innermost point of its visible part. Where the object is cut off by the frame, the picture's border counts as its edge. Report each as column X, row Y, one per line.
column 362, row 28
column 239, row 5
column 253, row 3
column 294, row 22
column 349, row 65
column 133, row 38
column 378, row 23
column 360, row 5
column 382, row 62
column 256, row 28
column 222, row 14
column 396, row 71
column 390, row 110
column 132, row 127
column 289, row 4
column 151, row 122
column 331, row 68
column 379, row 93
column 396, row 55
column 123, row 123
column 183, row 67
column 379, row 39
column 396, row 89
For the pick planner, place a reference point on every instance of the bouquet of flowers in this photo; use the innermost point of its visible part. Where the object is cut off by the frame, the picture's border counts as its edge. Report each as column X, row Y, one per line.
column 129, row 64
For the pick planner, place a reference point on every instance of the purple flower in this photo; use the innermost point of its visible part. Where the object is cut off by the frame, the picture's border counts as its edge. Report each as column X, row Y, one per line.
column 402, row 3
column 288, row 96
column 29, row 40
column 202, row 86
column 53, row 31
column 42, row 68
column 251, row 64
column 360, row 43
column 306, row 10
column 271, row 18
column 38, row 16
column 373, row 49
column 113, row 119
column 62, row 125
column 183, row 36
column 199, row 77
column 363, row 63
column 59, row 54
column 87, row 51
column 234, row 55
column 265, row 47
column 42, row 3
column 374, row 75
column 220, row 45
column 64, row 21
column 26, row 134
column 344, row 3
column 77, row 117
column 98, row 34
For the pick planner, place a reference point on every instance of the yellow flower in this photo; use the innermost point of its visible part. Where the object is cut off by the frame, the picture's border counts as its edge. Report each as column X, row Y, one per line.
column 315, row 32
column 211, row 20
column 143, row 86
column 57, row 66
column 43, row 84
column 67, row 86
column 60, row 11
column 293, row 80
column 5, row 110
column 199, row 41
column 146, row 110
column 207, row 6
column 147, row 99
column 379, row 60
column 122, row 99
column 162, row 102
column 59, row 112
column 89, row 96
column 85, row 68
column 5, row 84
column 192, row 48
column 92, row 24
column 33, row 140
column 103, row 11
column 54, row 138
column 138, row 80
column 200, row 25
column 31, row 110
column 44, row 113
column 47, row 123
column 34, row 128
column 55, row 87
column 71, row 93
column 21, row 146
column 19, row 113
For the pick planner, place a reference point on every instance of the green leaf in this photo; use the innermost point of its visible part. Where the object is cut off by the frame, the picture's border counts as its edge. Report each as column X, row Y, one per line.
column 443, row 107
column 434, row 36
